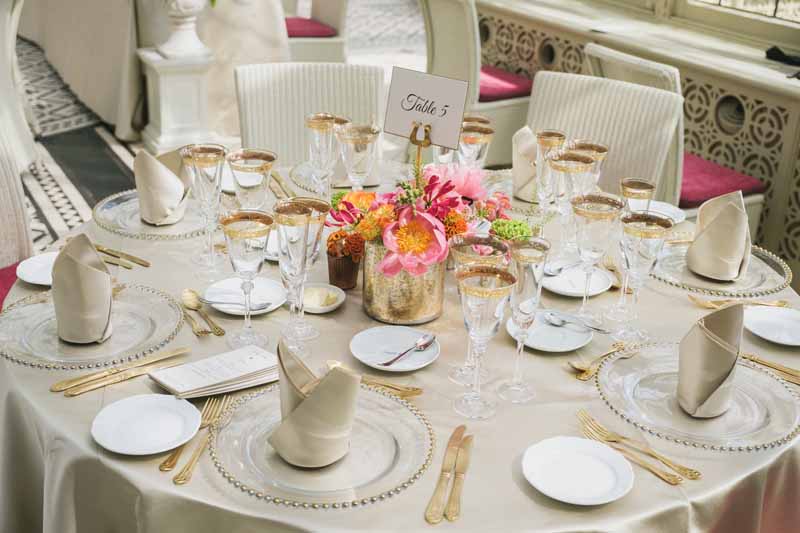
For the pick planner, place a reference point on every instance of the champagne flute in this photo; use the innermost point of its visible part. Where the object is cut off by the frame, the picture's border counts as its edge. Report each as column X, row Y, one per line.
column 251, row 170
column 598, row 152
column 359, row 146
column 528, row 260
column 484, row 293
column 643, row 237
column 547, row 143
column 473, row 146
column 571, row 173
column 471, row 250
column 246, row 234
column 322, row 154
column 595, row 214
column 205, row 162
column 292, row 220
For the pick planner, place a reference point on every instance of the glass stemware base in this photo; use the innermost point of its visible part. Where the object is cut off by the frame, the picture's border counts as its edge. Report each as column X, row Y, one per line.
column 247, row 337
column 464, row 374
column 207, row 261
column 516, row 392
column 474, row 406
column 300, row 332
column 630, row 334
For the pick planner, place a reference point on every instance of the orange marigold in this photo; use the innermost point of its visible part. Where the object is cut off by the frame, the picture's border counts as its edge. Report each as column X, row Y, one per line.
column 354, row 246
column 454, row 224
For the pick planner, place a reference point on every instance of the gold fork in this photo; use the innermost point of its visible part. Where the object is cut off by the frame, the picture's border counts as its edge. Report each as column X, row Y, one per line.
column 183, row 477
column 209, row 409
column 717, row 304
column 609, row 436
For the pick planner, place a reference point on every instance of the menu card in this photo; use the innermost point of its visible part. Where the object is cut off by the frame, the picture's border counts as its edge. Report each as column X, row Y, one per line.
column 227, row 372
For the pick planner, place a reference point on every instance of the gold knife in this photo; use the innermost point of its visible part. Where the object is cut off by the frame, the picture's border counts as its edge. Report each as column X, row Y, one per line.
column 80, row 380
column 775, row 366
column 118, row 262
column 117, row 378
column 122, row 255
column 283, row 185
column 453, row 509
column 435, row 510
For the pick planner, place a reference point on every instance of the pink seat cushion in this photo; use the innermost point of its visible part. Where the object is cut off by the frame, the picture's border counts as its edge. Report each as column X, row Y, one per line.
column 8, row 276
column 703, row 180
column 303, row 27
column 498, row 84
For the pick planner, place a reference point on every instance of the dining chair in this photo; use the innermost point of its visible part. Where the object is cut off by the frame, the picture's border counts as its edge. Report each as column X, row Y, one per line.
column 321, row 37
column 275, row 98
column 688, row 180
column 638, row 123
column 454, row 51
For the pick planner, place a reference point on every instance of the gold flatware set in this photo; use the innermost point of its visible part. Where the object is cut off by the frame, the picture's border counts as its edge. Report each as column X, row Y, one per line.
column 587, row 371
column 110, row 376
column 454, row 466
column 212, row 416
column 784, row 372
column 120, row 258
column 191, row 302
column 628, row 447
column 719, row 304
column 401, row 391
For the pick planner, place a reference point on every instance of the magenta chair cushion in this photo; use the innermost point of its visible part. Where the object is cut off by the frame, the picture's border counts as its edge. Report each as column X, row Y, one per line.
column 498, row 84
column 8, row 276
column 303, row 27
column 703, row 180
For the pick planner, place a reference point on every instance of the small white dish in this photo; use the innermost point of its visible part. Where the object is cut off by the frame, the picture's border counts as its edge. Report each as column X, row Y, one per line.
column 544, row 337
column 228, row 185
column 273, row 252
column 340, row 297
column 145, row 424
column 570, row 282
column 780, row 325
column 376, row 345
column 38, row 269
column 230, row 290
column 577, row 471
column 675, row 213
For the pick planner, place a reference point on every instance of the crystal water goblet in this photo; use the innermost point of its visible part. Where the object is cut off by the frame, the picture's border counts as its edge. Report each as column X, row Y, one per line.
column 251, row 170
column 322, row 151
column 292, row 220
column 598, row 152
column 359, row 148
column 528, row 259
column 246, row 234
column 571, row 174
column 473, row 146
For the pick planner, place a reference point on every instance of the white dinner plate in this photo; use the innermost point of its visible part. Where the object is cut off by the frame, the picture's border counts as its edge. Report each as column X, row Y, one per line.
column 37, row 269
column 577, row 471
column 145, row 424
column 273, row 252
column 230, row 290
column 376, row 345
column 545, row 337
column 776, row 324
column 571, row 282
column 661, row 208
column 340, row 297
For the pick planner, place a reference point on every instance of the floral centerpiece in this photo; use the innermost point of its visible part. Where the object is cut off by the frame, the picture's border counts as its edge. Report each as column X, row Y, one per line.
column 406, row 233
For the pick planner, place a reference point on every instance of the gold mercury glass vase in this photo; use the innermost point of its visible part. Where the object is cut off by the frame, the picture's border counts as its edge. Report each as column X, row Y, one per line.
column 403, row 299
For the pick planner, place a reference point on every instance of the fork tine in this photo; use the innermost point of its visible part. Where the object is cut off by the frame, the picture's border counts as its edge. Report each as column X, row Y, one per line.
column 212, row 405
column 601, row 430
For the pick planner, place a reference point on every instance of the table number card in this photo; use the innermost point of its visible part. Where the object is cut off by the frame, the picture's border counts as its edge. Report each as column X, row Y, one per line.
column 427, row 99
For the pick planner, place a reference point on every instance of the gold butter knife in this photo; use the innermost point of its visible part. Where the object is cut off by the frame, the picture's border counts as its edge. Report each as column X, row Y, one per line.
column 774, row 366
column 122, row 255
column 117, row 378
column 118, row 262
column 80, row 380
column 435, row 510
column 283, row 185
column 453, row 509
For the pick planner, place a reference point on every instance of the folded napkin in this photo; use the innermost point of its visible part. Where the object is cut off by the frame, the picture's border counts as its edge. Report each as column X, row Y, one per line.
column 81, row 293
column 317, row 414
column 721, row 246
column 707, row 362
column 162, row 192
column 523, row 170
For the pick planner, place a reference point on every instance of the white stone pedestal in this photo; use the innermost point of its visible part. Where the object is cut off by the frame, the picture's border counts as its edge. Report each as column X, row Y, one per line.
column 177, row 100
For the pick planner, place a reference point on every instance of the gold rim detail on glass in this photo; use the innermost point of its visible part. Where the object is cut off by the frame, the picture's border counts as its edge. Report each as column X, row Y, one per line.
column 637, row 188
column 291, row 213
column 463, row 252
column 357, row 133
column 474, row 133
column 550, row 138
column 476, row 119
column 238, row 160
column 482, row 271
column 530, row 251
column 320, row 121
column 596, row 151
column 597, row 206
column 203, row 155
column 646, row 225
column 571, row 162
column 319, row 208
column 256, row 224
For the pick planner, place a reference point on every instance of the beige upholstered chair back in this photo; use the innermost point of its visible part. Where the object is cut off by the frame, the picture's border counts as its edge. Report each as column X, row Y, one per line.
column 454, row 49
column 608, row 63
column 275, row 98
column 638, row 123
column 15, row 236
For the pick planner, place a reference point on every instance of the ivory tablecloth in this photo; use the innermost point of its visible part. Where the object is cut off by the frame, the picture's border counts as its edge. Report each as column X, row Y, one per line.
column 57, row 480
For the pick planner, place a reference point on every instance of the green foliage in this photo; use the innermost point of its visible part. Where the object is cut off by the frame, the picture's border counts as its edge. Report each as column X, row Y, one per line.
column 337, row 198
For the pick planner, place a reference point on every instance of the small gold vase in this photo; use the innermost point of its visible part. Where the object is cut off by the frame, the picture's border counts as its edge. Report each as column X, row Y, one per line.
column 403, row 299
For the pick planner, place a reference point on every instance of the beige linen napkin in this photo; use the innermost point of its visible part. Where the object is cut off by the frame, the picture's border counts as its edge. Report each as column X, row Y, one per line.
column 162, row 192
column 523, row 170
column 707, row 362
column 721, row 247
column 81, row 293
column 317, row 414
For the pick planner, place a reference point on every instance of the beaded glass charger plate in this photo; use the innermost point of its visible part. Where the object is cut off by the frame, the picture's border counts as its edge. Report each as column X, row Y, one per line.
column 764, row 411
column 767, row 274
column 143, row 320
column 119, row 214
column 391, row 446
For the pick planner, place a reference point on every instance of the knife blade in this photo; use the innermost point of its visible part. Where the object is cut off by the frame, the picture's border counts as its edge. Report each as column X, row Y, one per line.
column 283, row 185
column 118, row 262
column 435, row 510
column 122, row 255
column 80, row 380
column 117, row 378
column 453, row 509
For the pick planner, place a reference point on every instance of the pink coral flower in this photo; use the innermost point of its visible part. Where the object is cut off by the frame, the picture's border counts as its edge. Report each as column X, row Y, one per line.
column 415, row 241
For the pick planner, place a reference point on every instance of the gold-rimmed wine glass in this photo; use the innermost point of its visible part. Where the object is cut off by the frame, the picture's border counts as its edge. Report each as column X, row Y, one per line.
column 473, row 146
column 322, row 150
column 548, row 142
column 571, row 172
column 599, row 153
column 292, row 221
column 251, row 170
column 246, row 235
column 359, row 146
column 637, row 189
column 204, row 162
column 528, row 259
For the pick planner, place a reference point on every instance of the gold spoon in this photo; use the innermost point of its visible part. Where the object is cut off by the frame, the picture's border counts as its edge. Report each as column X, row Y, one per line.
column 586, row 369
column 191, row 300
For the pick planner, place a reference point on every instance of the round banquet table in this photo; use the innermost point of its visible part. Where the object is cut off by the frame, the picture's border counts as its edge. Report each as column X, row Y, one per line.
column 56, row 479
